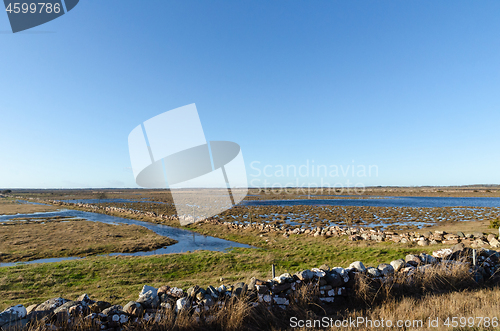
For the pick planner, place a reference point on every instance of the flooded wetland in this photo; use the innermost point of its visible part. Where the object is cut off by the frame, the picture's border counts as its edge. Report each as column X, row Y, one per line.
column 121, row 239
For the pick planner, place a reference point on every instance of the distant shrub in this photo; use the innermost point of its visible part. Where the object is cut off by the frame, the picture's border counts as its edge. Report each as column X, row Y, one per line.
column 495, row 224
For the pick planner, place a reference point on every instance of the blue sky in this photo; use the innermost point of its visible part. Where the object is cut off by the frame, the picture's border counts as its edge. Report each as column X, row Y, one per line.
column 411, row 87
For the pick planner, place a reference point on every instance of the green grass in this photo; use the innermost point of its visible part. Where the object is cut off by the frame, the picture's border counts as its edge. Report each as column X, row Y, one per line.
column 119, row 279
column 495, row 224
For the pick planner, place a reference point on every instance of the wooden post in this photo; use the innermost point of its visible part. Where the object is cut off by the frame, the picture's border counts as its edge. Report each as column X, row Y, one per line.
column 273, row 271
column 474, row 257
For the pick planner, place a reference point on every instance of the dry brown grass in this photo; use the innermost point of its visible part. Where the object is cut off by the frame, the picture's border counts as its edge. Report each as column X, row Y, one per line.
column 437, row 279
column 12, row 207
column 467, row 303
column 240, row 315
column 236, row 314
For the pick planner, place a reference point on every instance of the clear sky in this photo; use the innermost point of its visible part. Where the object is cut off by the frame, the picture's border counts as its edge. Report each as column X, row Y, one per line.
column 410, row 87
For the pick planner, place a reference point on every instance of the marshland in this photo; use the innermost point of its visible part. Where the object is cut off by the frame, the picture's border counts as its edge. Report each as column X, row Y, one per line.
column 111, row 258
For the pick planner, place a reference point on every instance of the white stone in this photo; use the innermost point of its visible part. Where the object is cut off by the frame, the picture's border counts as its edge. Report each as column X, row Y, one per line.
column 342, row 273
column 176, row 292
column 318, row 272
column 19, row 310
column 181, row 304
column 147, row 288
column 358, row 265
column 442, row 252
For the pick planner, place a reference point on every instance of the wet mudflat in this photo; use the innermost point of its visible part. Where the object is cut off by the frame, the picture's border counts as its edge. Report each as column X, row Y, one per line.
column 384, row 217
column 150, row 239
column 31, row 238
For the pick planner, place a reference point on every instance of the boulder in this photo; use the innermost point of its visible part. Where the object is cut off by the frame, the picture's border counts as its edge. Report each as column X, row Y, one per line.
column 16, row 325
column 305, row 275
column 12, row 314
column 213, row 292
column 78, row 310
column 478, row 235
column 200, row 295
column 222, row 289
column 457, row 248
column 324, row 267
column 343, row 273
column 281, row 288
column 134, row 309
column 358, row 265
column 163, row 290
column 423, row 242
column 85, row 300
column 407, row 270
column 427, row 234
column 451, row 236
column 175, row 292
column 240, row 288
column 149, row 297
column 398, row 264
column 427, row 259
column 191, row 292
column 115, row 318
column 182, row 304
column 373, row 272
column 318, row 272
column 114, row 309
column 412, row 259
column 333, row 279
column 99, row 306
column 493, row 241
column 252, row 283
column 31, row 308
column 208, row 301
column 66, row 306
column 286, row 277
column 479, row 243
column 147, row 288
column 51, row 304
column 385, row 269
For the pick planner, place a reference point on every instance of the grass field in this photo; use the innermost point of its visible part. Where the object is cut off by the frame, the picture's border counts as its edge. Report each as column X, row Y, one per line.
column 12, row 207
column 45, row 238
column 119, row 279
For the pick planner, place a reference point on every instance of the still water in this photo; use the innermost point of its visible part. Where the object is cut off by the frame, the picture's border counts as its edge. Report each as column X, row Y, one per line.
column 187, row 240
column 417, row 202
